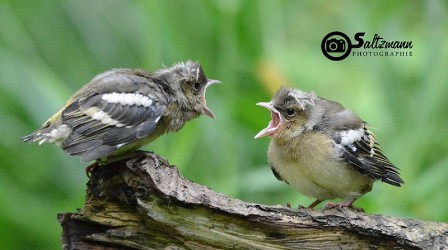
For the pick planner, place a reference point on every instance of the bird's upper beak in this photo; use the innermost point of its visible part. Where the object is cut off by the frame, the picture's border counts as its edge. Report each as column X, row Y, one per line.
column 205, row 110
column 274, row 124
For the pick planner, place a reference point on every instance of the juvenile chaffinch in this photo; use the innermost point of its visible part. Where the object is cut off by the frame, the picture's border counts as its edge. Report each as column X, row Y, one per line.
column 322, row 149
column 121, row 110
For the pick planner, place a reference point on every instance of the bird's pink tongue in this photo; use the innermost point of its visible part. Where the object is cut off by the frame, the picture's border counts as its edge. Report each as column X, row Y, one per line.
column 272, row 126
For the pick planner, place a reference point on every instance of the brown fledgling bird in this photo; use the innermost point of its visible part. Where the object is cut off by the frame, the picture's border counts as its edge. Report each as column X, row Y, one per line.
column 121, row 110
column 322, row 149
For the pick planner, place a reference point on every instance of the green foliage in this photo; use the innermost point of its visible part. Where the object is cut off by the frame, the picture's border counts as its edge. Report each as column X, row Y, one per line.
column 49, row 49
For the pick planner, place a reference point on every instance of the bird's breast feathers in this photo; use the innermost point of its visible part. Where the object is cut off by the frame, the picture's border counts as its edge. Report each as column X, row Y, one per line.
column 313, row 167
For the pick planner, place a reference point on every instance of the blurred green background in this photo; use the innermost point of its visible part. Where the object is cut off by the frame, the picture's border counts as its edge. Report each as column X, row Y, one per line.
column 49, row 49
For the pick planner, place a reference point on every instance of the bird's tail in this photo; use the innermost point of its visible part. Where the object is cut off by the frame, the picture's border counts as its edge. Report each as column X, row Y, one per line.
column 53, row 134
column 40, row 136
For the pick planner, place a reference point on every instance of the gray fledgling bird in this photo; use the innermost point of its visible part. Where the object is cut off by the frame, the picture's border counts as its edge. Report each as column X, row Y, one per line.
column 322, row 149
column 121, row 110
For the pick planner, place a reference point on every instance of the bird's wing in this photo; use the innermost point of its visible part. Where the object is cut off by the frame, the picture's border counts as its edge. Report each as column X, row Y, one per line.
column 359, row 148
column 276, row 174
column 104, row 122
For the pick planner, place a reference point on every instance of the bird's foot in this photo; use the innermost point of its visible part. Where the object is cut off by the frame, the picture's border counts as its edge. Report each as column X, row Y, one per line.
column 298, row 207
column 315, row 203
column 340, row 206
column 90, row 168
column 311, row 206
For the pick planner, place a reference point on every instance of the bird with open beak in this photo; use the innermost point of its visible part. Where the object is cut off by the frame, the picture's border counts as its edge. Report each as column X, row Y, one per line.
column 322, row 149
column 121, row 110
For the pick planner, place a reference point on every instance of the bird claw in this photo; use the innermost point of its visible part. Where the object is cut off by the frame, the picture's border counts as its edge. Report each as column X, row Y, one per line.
column 298, row 207
column 340, row 206
column 90, row 168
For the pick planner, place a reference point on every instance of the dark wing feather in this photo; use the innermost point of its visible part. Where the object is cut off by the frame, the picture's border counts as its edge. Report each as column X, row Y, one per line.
column 98, row 152
column 145, row 128
column 276, row 174
column 366, row 157
column 81, row 147
column 93, row 138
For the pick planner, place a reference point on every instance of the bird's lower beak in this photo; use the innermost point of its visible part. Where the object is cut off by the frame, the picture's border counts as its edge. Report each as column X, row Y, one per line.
column 274, row 124
column 205, row 110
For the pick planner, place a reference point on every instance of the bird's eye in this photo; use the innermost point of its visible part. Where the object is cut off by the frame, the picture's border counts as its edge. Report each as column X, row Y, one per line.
column 290, row 112
column 196, row 86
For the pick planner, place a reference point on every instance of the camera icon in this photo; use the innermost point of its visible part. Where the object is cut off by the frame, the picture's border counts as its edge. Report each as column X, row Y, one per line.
column 335, row 45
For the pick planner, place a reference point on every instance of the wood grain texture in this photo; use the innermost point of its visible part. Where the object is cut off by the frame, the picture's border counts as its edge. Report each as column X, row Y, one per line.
column 145, row 203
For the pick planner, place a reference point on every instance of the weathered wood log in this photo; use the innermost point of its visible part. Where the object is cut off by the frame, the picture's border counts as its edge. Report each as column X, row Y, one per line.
column 144, row 203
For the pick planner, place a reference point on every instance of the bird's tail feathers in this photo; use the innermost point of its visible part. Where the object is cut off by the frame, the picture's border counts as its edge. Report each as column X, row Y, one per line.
column 393, row 178
column 49, row 134
column 41, row 136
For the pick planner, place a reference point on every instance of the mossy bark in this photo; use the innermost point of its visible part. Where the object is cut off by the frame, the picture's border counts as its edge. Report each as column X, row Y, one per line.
column 144, row 203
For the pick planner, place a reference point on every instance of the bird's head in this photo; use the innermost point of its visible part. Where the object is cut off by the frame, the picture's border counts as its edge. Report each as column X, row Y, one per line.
column 290, row 110
column 193, row 84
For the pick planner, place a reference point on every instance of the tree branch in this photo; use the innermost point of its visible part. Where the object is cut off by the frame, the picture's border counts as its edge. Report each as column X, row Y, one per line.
column 144, row 203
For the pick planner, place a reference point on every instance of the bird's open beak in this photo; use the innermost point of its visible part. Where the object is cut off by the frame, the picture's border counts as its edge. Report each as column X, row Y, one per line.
column 274, row 124
column 205, row 110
